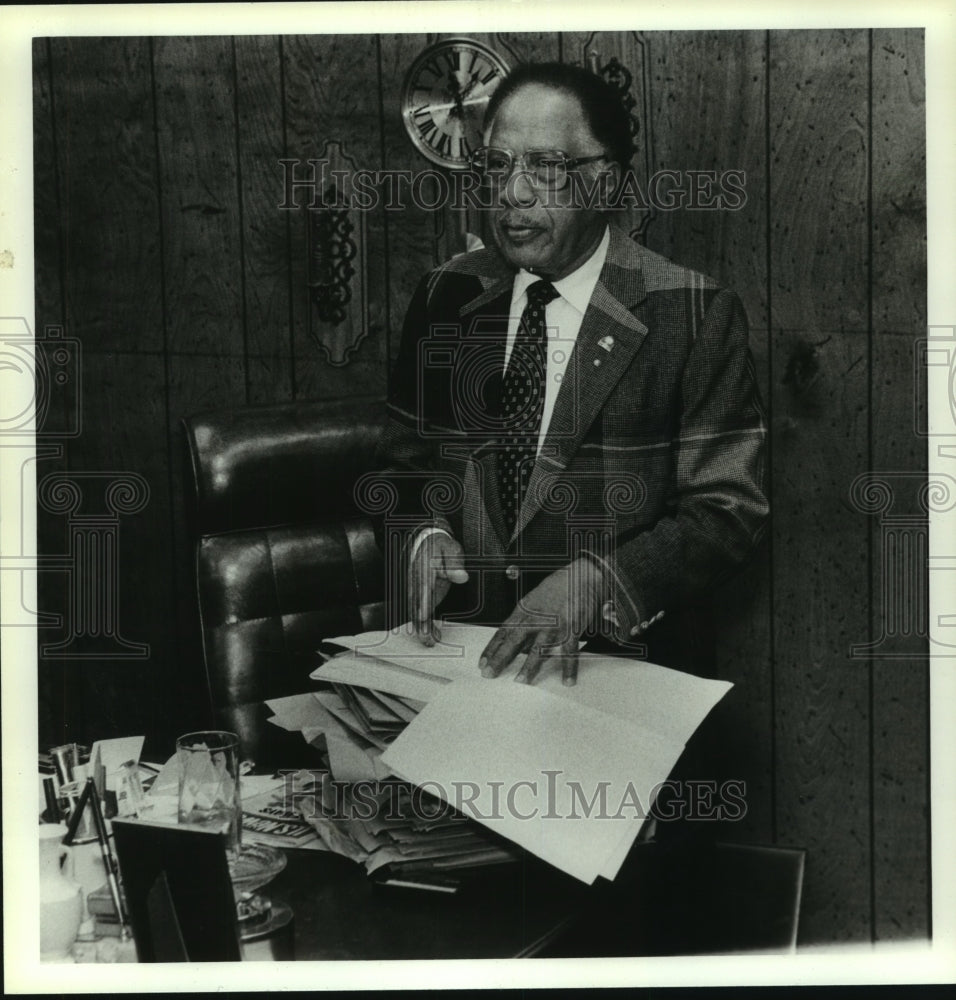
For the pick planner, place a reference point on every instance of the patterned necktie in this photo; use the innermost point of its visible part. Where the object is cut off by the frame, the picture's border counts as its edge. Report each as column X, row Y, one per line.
column 522, row 401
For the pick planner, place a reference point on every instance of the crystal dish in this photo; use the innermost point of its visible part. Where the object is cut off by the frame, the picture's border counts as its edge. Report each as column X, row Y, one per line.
column 255, row 866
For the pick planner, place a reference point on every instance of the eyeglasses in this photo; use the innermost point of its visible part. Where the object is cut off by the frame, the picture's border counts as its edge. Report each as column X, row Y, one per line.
column 545, row 168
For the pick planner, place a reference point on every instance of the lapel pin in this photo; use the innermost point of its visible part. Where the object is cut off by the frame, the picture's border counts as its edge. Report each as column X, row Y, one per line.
column 607, row 343
column 597, row 362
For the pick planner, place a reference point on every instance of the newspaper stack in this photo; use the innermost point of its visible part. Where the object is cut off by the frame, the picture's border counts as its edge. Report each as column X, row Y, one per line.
column 359, row 809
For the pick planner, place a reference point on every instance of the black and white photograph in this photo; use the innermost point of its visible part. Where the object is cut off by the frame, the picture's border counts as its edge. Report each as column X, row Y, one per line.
column 478, row 484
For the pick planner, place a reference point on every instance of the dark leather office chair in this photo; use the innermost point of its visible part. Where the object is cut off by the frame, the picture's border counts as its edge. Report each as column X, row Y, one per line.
column 283, row 557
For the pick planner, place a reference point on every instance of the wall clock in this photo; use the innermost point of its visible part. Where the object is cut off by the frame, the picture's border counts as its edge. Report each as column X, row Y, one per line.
column 444, row 97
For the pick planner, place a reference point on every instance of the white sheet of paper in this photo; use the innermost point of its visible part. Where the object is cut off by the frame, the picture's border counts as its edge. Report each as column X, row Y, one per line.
column 613, row 862
column 260, row 786
column 396, row 662
column 657, row 698
column 365, row 671
column 478, row 733
column 336, row 707
column 312, row 733
column 402, row 710
column 350, row 762
column 379, row 715
column 115, row 753
column 296, row 712
column 167, row 781
column 348, row 759
column 455, row 657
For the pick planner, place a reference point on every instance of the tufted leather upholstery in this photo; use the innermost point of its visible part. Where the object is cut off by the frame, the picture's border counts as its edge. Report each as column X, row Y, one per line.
column 283, row 558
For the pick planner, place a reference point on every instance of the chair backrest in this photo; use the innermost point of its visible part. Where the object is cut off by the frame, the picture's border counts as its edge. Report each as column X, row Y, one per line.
column 283, row 558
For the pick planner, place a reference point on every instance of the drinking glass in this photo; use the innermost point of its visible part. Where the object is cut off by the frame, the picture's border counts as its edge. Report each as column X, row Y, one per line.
column 209, row 783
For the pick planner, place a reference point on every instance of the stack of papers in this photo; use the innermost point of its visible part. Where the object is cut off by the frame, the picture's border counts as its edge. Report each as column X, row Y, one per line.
column 351, row 725
column 359, row 809
column 569, row 774
column 269, row 817
column 392, row 824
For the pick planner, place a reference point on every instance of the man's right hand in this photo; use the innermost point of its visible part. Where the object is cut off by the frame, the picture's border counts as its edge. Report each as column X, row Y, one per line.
column 436, row 565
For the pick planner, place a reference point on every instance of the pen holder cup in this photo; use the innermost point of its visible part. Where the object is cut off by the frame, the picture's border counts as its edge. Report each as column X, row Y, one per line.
column 61, row 898
column 89, row 870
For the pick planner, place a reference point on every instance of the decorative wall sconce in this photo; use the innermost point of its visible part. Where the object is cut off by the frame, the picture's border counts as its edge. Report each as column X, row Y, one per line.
column 331, row 251
column 621, row 76
column 337, row 275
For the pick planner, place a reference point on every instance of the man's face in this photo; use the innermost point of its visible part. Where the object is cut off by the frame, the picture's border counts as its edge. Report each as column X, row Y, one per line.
column 539, row 230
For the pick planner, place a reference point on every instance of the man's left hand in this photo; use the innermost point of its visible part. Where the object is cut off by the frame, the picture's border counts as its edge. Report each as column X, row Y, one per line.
column 547, row 624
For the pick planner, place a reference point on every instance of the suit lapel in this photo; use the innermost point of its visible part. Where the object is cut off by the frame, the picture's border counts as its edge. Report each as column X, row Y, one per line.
column 586, row 385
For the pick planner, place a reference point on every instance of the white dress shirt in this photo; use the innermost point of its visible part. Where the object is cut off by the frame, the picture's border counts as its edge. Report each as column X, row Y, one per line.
column 563, row 317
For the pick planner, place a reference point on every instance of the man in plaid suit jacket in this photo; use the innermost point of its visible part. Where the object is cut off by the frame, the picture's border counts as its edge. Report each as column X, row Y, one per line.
column 647, row 485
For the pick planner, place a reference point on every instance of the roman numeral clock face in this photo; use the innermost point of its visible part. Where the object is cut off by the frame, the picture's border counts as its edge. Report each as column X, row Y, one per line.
column 444, row 98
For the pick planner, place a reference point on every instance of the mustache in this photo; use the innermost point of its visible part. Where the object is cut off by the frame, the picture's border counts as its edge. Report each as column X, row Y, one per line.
column 519, row 222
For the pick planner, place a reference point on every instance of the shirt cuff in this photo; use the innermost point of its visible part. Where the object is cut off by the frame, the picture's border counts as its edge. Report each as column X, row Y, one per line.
column 420, row 538
column 618, row 607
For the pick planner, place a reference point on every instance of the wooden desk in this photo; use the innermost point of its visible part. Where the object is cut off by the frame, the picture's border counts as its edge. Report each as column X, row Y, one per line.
column 508, row 912
column 690, row 899
column 682, row 895
column 340, row 913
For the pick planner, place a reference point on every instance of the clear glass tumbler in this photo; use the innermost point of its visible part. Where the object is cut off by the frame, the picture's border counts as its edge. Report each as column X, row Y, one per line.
column 209, row 783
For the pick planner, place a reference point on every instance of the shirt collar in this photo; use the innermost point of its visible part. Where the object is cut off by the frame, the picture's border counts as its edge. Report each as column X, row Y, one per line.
column 576, row 287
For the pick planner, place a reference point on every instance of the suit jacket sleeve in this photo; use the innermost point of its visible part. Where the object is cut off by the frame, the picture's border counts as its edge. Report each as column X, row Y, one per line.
column 717, row 509
column 407, row 450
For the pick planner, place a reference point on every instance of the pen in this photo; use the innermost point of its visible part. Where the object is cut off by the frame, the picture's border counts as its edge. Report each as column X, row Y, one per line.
column 404, row 883
column 109, row 862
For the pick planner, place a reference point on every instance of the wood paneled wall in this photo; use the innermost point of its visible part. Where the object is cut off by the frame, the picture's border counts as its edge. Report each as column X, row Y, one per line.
column 160, row 247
